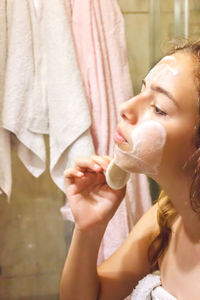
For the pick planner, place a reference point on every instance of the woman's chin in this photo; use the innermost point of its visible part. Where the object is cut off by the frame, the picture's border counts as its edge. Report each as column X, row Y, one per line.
column 123, row 146
column 134, row 165
column 125, row 165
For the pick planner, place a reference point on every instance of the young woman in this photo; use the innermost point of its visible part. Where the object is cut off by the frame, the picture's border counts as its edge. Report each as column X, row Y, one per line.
column 167, row 237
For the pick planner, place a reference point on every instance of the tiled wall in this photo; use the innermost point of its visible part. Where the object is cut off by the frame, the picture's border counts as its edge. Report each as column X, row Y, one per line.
column 33, row 237
column 136, row 18
column 139, row 32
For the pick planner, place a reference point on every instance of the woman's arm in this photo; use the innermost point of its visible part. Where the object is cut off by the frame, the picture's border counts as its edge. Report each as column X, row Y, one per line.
column 117, row 276
column 93, row 204
column 120, row 274
column 80, row 279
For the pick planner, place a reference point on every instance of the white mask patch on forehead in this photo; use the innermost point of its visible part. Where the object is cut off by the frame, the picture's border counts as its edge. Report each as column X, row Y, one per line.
column 148, row 140
column 161, row 71
column 169, row 57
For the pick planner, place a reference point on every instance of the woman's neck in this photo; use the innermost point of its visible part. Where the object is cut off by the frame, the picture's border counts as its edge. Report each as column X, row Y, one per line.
column 178, row 191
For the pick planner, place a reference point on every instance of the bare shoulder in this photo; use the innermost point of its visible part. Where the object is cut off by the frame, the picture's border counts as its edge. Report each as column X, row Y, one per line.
column 122, row 271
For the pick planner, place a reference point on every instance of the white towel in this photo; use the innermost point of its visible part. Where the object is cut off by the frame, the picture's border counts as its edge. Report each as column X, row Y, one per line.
column 149, row 288
column 69, row 117
column 5, row 163
column 3, row 51
column 21, row 85
column 43, row 92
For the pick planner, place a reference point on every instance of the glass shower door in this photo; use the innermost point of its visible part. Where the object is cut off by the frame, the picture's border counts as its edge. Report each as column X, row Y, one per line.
column 172, row 20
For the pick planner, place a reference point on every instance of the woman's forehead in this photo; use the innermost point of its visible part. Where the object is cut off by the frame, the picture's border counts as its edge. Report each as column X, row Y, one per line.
column 175, row 73
column 163, row 70
column 171, row 64
column 175, row 69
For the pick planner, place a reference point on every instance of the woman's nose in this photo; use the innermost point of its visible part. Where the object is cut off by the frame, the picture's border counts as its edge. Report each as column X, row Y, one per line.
column 128, row 111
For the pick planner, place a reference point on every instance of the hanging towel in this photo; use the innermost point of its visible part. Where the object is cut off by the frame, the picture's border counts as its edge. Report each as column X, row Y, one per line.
column 20, row 85
column 150, row 288
column 5, row 163
column 3, row 53
column 98, row 32
column 43, row 91
column 69, row 116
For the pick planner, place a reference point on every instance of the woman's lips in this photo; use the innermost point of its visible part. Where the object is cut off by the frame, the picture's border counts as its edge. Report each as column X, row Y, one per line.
column 119, row 138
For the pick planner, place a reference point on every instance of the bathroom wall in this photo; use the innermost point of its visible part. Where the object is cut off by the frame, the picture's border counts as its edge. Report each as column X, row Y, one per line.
column 33, row 236
column 143, row 27
column 136, row 17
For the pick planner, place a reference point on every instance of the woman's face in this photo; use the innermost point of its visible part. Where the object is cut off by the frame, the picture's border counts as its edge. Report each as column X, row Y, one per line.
column 169, row 97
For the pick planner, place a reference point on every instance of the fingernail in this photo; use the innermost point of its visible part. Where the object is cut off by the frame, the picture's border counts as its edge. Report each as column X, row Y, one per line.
column 97, row 167
column 80, row 173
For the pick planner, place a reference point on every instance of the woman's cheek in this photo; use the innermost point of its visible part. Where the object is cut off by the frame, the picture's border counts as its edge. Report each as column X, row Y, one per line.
column 148, row 140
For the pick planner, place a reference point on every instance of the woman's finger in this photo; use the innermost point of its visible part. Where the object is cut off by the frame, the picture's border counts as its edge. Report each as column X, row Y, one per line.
column 109, row 158
column 73, row 172
column 86, row 163
column 101, row 160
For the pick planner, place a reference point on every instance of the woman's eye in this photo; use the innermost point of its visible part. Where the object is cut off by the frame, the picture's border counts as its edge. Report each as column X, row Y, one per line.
column 159, row 111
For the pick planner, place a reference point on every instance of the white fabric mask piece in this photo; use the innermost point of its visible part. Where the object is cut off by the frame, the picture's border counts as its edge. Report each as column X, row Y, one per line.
column 163, row 71
column 169, row 58
column 116, row 178
column 148, row 140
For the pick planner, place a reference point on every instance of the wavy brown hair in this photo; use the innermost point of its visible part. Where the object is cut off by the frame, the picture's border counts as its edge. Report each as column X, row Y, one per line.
column 166, row 211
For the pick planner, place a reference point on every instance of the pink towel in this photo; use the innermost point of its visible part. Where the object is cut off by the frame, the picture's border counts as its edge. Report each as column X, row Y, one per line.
column 98, row 31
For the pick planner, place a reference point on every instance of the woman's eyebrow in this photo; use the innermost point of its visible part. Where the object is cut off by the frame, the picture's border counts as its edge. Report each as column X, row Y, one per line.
column 161, row 90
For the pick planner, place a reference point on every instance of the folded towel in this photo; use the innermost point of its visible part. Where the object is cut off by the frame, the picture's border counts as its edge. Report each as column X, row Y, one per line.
column 69, row 116
column 41, row 90
column 5, row 159
column 3, row 52
column 5, row 163
column 21, row 84
column 98, row 31
column 149, row 288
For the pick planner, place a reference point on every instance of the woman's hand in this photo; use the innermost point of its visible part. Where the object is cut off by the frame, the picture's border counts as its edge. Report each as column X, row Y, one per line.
column 92, row 201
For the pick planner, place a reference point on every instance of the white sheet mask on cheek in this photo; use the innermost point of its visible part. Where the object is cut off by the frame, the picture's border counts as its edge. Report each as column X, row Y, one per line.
column 148, row 141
